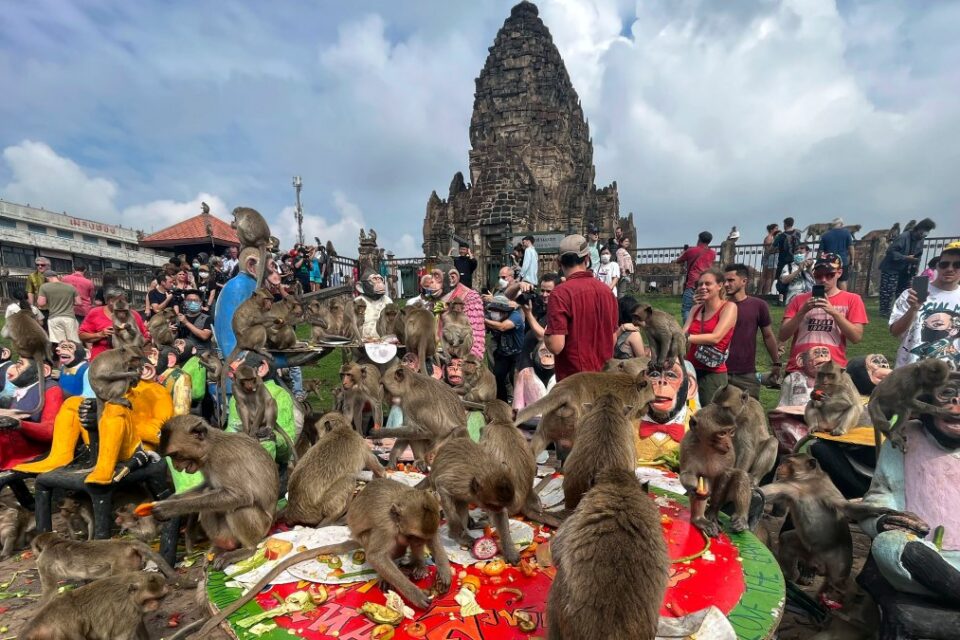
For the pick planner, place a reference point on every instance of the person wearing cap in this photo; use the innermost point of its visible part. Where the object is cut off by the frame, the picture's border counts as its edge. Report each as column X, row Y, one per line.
column 839, row 241
column 829, row 321
column 504, row 319
column 97, row 327
column 581, row 314
column 531, row 261
column 59, row 299
column 901, row 262
column 930, row 328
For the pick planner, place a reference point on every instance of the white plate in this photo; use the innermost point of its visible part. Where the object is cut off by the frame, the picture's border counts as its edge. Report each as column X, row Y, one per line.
column 300, row 537
column 409, row 478
column 521, row 532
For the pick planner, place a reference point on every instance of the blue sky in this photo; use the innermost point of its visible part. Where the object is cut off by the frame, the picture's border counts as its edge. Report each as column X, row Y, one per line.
column 714, row 113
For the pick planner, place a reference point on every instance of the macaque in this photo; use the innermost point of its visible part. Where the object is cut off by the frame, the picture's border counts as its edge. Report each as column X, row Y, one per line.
column 821, row 538
column 457, row 334
column 896, row 397
column 420, row 334
column 316, row 316
column 464, row 473
column 29, row 340
column 359, row 313
column 756, row 449
column 360, row 385
column 605, row 440
column 563, row 406
column 250, row 322
column 339, row 318
column 853, row 228
column 159, row 327
column 387, row 321
column 633, row 366
column 142, row 528
column 16, row 527
column 834, row 404
column 125, row 329
column 665, row 336
column 113, row 372
column 325, row 479
column 78, row 517
column 592, row 598
column 385, row 519
column 431, row 411
column 238, row 499
column 112, row 607
column 479, row 384
column 253, row 231
column 256, row 407
column 708, row 470
column 61, row 559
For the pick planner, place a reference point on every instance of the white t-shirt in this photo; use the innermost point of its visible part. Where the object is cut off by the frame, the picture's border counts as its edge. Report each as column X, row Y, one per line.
column 607, row 273
column 935, row 332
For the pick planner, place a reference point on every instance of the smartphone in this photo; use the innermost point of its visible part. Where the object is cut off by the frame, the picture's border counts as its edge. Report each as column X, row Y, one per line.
column 920, row 286
column 819, row 291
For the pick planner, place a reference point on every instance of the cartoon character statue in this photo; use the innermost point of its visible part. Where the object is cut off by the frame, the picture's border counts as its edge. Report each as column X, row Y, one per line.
column 661, row 429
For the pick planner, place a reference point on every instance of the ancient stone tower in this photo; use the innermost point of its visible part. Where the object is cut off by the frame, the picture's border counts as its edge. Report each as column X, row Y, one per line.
column 531, row 162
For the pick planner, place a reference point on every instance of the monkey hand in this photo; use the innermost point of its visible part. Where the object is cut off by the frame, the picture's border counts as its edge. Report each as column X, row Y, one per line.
column 422, row 601
column 738, row 524
column 708, row 527
column 442, row 580
column 161, row 512
column 903, row 521
column 264, row 433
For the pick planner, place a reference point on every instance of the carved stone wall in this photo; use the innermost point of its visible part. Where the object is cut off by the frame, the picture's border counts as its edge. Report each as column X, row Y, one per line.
column 531, row 162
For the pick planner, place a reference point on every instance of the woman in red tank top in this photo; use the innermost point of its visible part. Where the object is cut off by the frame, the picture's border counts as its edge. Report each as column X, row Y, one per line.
column 709, row 329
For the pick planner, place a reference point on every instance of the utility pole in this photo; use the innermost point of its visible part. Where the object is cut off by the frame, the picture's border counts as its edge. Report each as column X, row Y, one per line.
column 298, row 214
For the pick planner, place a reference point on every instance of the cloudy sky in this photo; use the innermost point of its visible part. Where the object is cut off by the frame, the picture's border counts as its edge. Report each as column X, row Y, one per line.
column 707, row 111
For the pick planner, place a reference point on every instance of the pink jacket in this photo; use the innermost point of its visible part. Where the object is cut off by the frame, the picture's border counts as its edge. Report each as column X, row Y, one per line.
column 473, row 307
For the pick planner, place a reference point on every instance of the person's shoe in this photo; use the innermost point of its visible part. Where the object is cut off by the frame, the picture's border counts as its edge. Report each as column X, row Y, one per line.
column 300, row 396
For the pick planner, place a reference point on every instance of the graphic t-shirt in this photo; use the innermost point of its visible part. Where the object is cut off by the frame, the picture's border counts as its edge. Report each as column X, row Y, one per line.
column 607, row 272
column 819, row 328
column 935, row 332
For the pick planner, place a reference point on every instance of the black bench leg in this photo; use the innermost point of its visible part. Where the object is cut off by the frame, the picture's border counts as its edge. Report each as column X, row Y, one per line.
column 169, row 535
column 43, row 508
column 102, row 513
column 22, row 494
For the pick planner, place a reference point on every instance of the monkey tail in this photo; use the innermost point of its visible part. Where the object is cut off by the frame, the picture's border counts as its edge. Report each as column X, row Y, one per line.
column 303, row 556
column 546, row 404
column 422, row 357
column 162, row 564
column 286, row 438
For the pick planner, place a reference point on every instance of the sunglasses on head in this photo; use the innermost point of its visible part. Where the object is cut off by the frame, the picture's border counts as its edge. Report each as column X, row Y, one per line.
column 948, row 264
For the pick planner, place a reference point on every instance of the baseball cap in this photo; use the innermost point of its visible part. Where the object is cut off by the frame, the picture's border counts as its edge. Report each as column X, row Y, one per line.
column 575, row 243
column 829, row 261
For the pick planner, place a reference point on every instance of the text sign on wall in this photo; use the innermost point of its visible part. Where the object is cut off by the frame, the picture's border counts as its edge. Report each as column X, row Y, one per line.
column 93, row 226
column 543, row 241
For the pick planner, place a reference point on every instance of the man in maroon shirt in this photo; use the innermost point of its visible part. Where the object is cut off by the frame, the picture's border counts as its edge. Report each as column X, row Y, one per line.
column 752, row 314
column 581, row 314
column 696, row 260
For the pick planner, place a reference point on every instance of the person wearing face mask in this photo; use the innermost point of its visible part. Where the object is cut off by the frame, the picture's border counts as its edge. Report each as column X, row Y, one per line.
column 429, row 292
column 206, row 288
column 536, row 380
column 505, row 279
column 25, row 436
column 506, row 326
column 901, row 262
column 797, row 276
column 192, row 323
column 609, row 271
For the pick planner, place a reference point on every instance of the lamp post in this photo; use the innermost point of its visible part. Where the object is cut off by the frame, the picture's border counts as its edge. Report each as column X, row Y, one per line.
column 298, row 214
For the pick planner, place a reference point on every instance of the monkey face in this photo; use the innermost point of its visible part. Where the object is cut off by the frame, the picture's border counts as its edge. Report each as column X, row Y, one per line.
column 150, row 588
column 417, row 515
column 722, row 440
column 796, row 467
column 455, row 372
column 184, row 440
column 494, row 492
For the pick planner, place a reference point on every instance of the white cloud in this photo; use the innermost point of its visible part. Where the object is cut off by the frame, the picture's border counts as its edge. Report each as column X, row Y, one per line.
column 44, row 179
column 159, row 214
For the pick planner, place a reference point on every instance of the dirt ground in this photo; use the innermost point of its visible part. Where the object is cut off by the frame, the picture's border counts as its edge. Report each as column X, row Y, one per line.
column 16, row 612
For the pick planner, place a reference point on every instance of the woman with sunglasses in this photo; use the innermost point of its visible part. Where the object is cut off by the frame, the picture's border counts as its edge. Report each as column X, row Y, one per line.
column 928, row 323
column 709, row 329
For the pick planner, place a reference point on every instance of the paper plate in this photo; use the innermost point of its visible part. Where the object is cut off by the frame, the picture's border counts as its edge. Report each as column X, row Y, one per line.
column 409, row 478
column 521, row 532
column 325, row 573
column 300, row 537
column 380, row 352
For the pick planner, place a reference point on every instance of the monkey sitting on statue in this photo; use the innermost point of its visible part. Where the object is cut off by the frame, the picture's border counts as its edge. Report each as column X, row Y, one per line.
column 834, row 404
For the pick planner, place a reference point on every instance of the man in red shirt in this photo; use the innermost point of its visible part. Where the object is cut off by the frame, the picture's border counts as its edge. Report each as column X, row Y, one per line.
column 581, row 314
column 97, row 327
column 79, row 281
column 696, row 260
column 828, row 321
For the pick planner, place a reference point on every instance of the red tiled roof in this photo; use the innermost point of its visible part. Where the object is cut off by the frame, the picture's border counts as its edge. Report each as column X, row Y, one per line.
column 193, row 230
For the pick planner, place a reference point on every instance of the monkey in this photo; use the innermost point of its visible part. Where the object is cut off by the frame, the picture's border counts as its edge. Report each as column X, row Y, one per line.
column 386, row 323
column 479, row 383
column 29, row 340
column 112, row 607
column 159, row 327
column 834, row 404
column 359, row 313
column 212, row 363
column 77, row 515
column 323, row 483
column 238, row 499
column 756, row 449
column 909, row 226
column 315, row 315
column 562, row 407
column 61, row 559
column 125, row 329
column 431, row 411
column 633, row 366
column 707, row 451
column 591, row 597
column 253, row 231
column 250, row 321
column 256, row 407
column 420, row 334
column 281, row 334
column 897, row 396
column 465, row 473
column 384, row 519
column 340, row 318
column 821, row 537
column 360, row 384
column 457, row 334
column 16, row 527
column 113, row 372
column 605, row 440
column 853, row 228
column 142, row 528
column 508, row 445
column 666, row 339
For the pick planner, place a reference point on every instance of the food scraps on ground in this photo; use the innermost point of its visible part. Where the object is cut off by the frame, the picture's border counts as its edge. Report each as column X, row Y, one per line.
column 416, row 630
column 472, row 583
column 381, row 614
column 525, row 621
column 275, row 548
column 467, row 599
column 382, row 632
column 484, row 548
column 318, row 593
column 494, row 567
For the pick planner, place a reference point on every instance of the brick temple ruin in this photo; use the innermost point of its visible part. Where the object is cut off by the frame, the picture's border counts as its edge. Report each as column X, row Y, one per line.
column 531, row 161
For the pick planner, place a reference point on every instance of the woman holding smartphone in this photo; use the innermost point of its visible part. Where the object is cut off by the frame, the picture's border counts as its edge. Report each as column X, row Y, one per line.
column 709, row 329
column 797, row 275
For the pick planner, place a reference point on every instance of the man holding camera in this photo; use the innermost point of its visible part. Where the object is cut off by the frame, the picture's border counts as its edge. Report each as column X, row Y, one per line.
column 827, row 316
